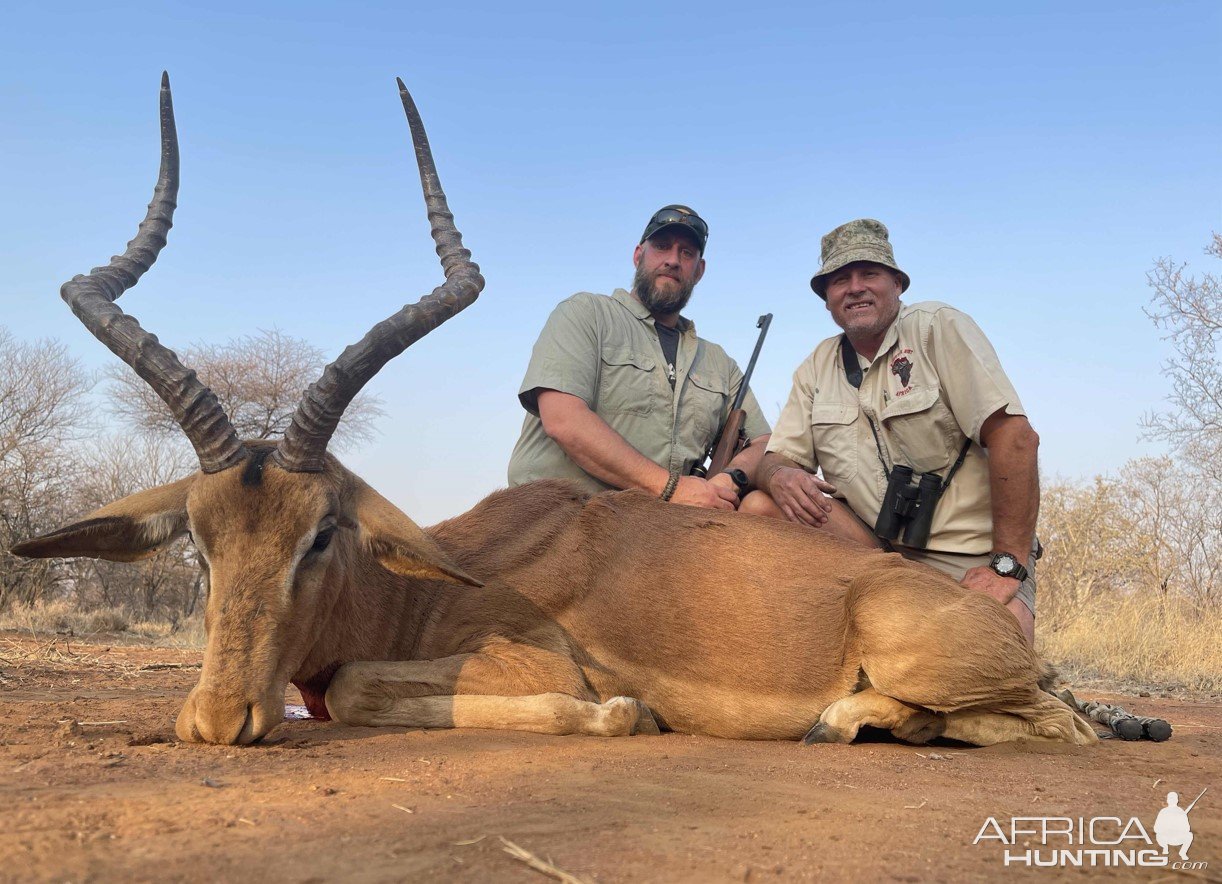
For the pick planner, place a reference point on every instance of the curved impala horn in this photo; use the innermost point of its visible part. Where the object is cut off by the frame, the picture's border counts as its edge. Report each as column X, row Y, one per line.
column 305, row 443
column 92, row 299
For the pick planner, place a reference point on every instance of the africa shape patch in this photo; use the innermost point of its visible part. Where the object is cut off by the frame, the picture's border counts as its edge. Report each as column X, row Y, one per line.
column 901, row 367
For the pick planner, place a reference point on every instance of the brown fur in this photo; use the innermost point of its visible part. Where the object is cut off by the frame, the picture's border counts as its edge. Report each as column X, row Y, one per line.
column 720, row 623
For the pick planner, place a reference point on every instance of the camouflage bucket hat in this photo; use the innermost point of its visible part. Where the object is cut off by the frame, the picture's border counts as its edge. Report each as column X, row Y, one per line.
column 862, row 240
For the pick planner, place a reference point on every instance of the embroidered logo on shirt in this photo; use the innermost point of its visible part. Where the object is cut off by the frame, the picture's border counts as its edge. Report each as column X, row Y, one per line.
column 901, row 367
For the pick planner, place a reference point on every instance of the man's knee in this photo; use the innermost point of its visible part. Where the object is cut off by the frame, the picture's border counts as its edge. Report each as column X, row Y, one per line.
column 759, row 503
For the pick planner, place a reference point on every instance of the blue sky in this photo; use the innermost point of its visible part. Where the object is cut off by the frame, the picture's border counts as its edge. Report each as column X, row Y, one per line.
column 1032, row 160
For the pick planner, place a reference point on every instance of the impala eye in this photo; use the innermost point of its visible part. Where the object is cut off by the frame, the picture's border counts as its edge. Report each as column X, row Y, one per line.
column 322, row 539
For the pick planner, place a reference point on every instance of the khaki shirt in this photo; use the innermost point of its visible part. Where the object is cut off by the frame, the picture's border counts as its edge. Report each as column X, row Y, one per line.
column 605, row 350
column 931, row 386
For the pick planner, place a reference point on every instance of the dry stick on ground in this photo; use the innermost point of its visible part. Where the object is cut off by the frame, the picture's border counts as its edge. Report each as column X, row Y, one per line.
column 537, row 864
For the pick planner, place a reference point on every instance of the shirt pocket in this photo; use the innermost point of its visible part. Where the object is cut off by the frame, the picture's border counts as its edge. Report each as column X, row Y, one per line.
column 921, row 431
column 626, row 384
column 833, row 432
column 703, row 405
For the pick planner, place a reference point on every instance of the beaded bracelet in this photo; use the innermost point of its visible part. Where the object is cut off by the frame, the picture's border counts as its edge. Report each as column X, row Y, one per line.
column 671, row 484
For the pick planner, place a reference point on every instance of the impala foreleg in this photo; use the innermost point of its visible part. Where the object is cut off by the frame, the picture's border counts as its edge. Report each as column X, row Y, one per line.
column 426, row 693
column 558, row 714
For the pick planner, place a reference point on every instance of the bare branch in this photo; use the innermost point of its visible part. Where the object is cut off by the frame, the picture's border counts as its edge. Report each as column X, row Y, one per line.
column 258, row 379
column 1189, row 310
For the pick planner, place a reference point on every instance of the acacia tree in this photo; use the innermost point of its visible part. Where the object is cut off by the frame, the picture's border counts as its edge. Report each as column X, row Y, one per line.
column 259, row 380
column 1189, row 310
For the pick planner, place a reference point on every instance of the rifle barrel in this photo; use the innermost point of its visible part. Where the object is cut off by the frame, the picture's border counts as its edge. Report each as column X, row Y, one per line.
column 764, row 322
column 1194, row 801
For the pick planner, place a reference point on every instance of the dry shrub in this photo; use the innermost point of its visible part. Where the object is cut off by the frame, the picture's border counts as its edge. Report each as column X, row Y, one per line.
column 1143, row 638
column 1130, row 586
column 63, row 616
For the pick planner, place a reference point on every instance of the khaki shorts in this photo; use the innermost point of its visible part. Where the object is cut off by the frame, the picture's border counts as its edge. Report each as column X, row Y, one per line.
column 958, row 564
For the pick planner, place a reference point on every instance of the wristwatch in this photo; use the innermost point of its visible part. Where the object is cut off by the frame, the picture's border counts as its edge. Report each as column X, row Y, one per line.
column 741, row 482
column 1007, row 565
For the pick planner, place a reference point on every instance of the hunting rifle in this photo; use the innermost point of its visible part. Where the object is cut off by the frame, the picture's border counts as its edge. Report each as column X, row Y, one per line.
column 732, row 438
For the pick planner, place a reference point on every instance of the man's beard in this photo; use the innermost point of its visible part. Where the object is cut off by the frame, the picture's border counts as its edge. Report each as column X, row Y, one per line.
column 660, row 302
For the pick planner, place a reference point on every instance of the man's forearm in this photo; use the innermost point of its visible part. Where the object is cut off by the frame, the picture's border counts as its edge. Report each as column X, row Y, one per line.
column 595, row 447
column 769, row 464
column 748, row 460
column 1014, row 484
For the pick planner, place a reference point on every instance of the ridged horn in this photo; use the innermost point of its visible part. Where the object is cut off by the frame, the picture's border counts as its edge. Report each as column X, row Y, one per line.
column 305, row 443
column 92, row 298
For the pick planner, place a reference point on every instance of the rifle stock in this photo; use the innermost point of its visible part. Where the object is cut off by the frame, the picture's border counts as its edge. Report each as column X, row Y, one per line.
column 731, row 442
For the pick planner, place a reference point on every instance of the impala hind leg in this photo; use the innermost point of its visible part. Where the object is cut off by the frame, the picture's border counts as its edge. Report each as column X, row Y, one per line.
column 931, row 643
column 841, row 721
column 1044, row 720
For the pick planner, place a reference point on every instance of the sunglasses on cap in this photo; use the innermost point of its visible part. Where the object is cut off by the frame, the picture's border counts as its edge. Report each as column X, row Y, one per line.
column 675, row 215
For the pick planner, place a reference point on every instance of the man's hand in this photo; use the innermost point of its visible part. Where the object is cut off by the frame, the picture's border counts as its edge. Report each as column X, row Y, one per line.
column 708, row 493
column 801, row 496
column 723, row 480
column 985, row 579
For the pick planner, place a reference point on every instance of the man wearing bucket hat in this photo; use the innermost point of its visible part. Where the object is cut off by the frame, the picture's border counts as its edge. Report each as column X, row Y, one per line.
column 922, row 442
column 621, row 393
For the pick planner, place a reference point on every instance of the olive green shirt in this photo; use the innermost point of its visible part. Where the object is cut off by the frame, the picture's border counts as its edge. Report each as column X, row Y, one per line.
column 605, row 351
column 931, row 386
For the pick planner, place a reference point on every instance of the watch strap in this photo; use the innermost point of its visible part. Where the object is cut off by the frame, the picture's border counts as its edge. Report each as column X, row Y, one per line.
column 740, row 480
column 1019, row 573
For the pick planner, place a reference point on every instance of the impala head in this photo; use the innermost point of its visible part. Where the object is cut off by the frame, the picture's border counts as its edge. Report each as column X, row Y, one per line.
column 277, row 525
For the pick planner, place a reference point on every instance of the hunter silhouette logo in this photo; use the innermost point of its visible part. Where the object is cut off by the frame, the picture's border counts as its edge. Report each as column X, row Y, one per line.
column 1097, row 841
column 901, row 367
column 1171, row 827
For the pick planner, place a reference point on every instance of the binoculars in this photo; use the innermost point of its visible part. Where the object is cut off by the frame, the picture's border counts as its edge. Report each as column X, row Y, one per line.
column 908, row 508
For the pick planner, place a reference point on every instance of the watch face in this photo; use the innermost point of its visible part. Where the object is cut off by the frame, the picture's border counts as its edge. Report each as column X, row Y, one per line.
column 1004, row 564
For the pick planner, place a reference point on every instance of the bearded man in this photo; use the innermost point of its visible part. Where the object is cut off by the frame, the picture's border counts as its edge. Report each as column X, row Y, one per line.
column 621, row 393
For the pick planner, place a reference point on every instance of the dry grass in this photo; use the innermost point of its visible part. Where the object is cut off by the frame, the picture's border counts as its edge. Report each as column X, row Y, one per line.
column 1141, row 638
column 63, row 618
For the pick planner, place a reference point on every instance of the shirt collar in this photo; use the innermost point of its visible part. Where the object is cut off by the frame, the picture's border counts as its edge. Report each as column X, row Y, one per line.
column 641, row 312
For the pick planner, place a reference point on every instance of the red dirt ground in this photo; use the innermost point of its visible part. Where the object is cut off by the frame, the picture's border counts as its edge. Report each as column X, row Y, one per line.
column 95, row 787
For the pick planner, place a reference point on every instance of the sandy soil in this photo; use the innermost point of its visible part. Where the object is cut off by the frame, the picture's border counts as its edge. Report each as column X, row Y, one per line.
column 94, row 787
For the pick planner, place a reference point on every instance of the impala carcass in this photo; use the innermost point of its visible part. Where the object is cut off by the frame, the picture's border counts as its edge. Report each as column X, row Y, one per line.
column 543, row 608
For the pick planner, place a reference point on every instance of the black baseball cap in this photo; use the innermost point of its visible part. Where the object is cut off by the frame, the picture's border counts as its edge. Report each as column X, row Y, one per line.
column 678, row 216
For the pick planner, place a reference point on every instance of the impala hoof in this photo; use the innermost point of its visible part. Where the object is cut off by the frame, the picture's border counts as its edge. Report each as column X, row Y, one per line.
column 645, row 722
column 823, row 733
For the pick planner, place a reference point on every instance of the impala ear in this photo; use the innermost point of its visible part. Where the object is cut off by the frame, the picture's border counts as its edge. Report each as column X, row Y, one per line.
column 399, row 544
column 127, row 530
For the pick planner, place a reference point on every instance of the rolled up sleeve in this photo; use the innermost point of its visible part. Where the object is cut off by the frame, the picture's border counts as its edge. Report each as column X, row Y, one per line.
column 565, row 356
column 972, row 379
